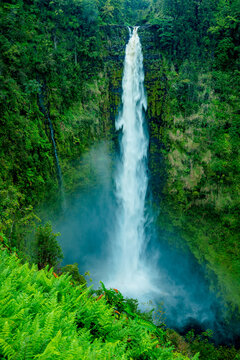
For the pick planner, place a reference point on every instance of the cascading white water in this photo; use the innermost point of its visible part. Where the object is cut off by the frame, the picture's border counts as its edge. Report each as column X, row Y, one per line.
column 131, row 177
column 164, row 275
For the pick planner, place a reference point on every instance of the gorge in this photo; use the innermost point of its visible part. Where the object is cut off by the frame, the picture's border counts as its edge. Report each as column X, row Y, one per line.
column 113, row 228
column 150, row 205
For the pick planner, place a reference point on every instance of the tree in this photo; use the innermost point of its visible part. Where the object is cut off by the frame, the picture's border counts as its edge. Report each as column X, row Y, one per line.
column 73, row 270
column 47, row 250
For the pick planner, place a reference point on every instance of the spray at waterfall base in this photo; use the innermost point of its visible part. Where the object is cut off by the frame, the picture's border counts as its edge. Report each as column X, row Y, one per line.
column 109, row 222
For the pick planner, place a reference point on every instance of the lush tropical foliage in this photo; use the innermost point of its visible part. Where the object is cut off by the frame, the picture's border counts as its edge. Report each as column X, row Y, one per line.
column 196, row 125
column 44, row 317
column 60, row 72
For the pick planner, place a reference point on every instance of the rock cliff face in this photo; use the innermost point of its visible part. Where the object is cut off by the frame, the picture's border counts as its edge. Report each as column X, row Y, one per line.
column 157, row 88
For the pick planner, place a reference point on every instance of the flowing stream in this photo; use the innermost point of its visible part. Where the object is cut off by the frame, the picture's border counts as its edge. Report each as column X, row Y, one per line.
column 131, row 178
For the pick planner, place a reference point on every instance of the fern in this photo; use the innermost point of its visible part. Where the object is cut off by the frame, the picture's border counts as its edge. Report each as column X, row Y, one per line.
column 7, row 349
column 46, row 318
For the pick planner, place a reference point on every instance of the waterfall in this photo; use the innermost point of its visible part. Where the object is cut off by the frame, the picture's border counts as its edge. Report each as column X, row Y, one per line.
column 131, row 178
column 47, row 117
column 55, row 152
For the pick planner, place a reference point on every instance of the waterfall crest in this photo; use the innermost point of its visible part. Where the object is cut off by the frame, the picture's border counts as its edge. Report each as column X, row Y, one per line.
column 131, row 178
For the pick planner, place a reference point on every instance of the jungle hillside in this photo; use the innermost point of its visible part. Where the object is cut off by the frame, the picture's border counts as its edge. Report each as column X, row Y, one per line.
column 61, row 91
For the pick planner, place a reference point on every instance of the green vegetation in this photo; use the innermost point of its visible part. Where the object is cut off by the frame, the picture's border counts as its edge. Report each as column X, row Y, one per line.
column 46, row 248
column 193, row 344
column 51, row 66
column 195, row 128
column 62, row 60
column 44, row 317
column 74, row 272
column 202, row 153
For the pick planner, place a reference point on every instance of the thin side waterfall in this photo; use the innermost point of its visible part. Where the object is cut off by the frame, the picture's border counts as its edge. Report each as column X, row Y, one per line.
column 131, row 178
column 55, row 152
column 45, row 112
column 59, row 171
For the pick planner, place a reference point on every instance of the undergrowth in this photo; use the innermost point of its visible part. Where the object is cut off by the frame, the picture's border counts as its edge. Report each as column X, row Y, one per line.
column 46, row 317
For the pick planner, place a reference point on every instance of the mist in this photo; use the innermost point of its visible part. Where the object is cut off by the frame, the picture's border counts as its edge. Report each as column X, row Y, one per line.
column 86, row 224
column 178, row 282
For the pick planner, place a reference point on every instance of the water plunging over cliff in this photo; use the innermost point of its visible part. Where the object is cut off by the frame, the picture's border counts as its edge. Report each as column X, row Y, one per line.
column 112, row 241
column 131, row 178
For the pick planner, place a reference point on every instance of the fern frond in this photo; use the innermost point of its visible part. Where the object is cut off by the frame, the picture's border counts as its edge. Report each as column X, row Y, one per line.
column 7, row 349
